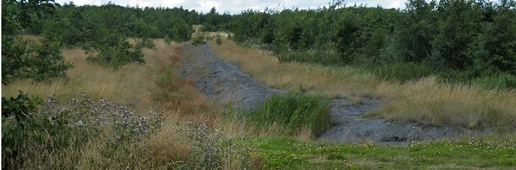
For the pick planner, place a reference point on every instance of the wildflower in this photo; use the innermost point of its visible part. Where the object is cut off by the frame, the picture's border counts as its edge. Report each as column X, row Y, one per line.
column 74, row 100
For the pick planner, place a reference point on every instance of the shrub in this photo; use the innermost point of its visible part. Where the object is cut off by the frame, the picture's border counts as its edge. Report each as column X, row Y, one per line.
column 115, row 51
column 218, row 39
column 293, row 111
column 199, row 39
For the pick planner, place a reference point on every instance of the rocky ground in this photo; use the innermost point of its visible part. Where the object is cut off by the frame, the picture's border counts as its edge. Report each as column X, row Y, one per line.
column 224, row 83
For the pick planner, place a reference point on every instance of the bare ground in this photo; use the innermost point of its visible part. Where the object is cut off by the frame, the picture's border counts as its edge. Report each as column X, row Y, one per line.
column 224, row 83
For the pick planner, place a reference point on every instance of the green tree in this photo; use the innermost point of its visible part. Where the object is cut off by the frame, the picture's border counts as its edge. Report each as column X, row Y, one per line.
column 20, row 58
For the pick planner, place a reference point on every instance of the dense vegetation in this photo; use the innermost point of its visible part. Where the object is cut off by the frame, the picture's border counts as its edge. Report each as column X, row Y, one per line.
column 466, row 40
column 456, row 40
column 32, row 129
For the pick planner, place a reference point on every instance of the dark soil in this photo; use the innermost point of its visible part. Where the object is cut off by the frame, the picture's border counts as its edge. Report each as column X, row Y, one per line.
column 224, row 83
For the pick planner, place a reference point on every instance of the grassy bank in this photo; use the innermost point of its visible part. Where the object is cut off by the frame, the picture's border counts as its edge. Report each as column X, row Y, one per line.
column 425, row 101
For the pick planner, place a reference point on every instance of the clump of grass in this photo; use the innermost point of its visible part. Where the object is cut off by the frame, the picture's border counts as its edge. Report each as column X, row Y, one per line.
column 293, row 111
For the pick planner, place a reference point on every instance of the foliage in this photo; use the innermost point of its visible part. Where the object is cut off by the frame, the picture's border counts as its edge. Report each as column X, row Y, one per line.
column 105, row 38
column 293, row 111
column 56, row 128
column 218, row 39
column 23, row 59
column 82, row 22
column 213, row 21
column 115, row 51
column 470, row 38
column 199, row 39
column 21, row 107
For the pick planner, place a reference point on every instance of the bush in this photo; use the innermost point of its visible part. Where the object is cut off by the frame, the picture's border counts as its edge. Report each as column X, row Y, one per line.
column 294, row 111
column 115, row 51
column 199, row 39
column 218, row 39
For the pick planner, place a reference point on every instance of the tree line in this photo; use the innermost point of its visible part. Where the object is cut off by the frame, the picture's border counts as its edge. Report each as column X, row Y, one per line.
column 457, row 40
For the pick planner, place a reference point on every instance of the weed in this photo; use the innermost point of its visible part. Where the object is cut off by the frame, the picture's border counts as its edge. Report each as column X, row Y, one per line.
column 211, row 150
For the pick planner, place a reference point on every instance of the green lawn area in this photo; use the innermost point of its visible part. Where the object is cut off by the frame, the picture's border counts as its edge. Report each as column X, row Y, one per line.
column 462, row 153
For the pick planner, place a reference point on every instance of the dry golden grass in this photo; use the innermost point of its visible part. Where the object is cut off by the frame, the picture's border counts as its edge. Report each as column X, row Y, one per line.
column 143, row 87
column 423, row 101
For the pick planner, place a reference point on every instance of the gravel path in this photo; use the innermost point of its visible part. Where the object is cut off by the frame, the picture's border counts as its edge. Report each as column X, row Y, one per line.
column 224, row 83
column 221, row 80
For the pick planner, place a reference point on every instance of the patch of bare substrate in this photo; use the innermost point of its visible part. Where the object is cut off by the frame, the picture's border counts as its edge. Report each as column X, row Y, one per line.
column 224, row 83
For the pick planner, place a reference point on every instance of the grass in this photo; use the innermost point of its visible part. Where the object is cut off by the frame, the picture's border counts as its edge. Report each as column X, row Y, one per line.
column 426, row 100
column 153, row 86
column 464, row 153
column 238, row 144
column 295, row 112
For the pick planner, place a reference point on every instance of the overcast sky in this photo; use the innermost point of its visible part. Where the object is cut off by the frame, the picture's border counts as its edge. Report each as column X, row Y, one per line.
column 235, row 6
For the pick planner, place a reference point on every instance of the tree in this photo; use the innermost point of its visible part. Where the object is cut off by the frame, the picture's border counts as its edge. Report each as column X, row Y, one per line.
column 22, row 59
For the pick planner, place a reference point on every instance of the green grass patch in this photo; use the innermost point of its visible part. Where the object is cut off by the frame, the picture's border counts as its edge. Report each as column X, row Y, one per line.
column 463, row 153
column 402, row 71
column 501, row 81
column 293, row 111
column 165, row 76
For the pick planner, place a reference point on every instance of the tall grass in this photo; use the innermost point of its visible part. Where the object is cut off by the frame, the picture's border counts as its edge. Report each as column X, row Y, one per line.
column 426, row 100
column 293, row 111
column 153, row 86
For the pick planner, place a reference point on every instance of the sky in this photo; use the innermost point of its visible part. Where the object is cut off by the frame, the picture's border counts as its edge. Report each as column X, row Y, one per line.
column 236, row 6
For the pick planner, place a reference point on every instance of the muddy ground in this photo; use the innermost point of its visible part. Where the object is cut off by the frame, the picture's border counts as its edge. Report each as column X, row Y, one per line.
column 224, row 83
